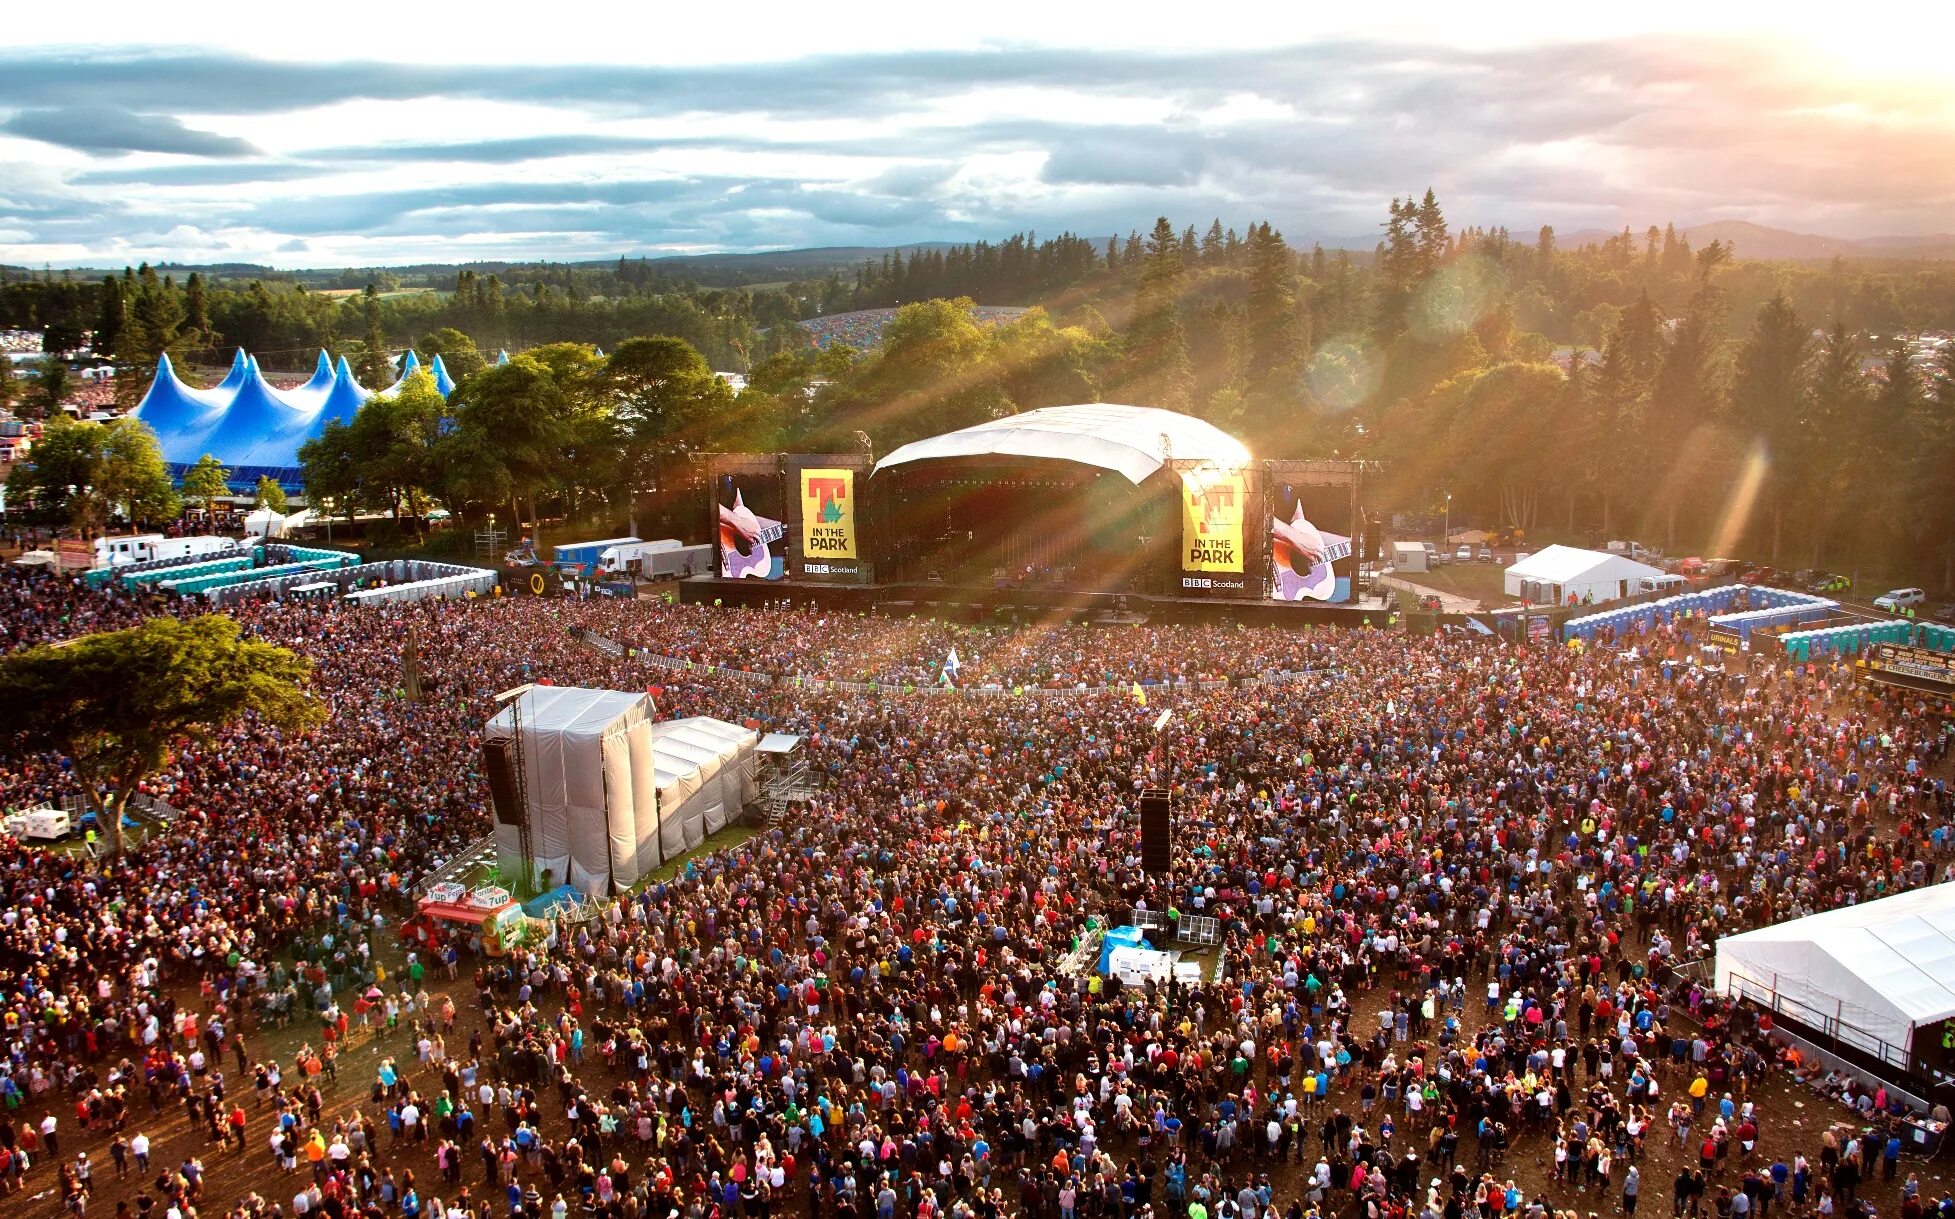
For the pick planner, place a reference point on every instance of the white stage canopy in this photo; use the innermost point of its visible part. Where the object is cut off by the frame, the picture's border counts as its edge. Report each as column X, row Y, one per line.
column 705, row 770
column 1134, row 441
column 1881, row 969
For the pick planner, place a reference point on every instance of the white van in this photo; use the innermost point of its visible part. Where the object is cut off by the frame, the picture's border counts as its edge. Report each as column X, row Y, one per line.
column 1667, row 585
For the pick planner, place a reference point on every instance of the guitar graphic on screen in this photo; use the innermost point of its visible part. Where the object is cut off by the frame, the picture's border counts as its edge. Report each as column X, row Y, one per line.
column 745, row 540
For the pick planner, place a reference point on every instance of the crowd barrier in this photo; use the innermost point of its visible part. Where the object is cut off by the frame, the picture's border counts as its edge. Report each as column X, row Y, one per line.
column 676, row 664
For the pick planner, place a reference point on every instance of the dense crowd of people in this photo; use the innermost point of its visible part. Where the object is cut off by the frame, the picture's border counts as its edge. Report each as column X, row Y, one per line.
column 862, row 329
column 1453, row 882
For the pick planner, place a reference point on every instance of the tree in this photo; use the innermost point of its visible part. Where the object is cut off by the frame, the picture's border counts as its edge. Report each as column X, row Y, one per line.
column 51, row 386
column 512, row 425
column 1891, row 436
column 1686, row 401
column 1159, row 372
column 1770, row 407
column 1272, row 320
column 270, row 494
column 9, row 385
column 109, row 316
column 457, row 351
column 1429, row 226
column 667, row 402
column 207, row 482
column 1837, row 397
column 196, row 309
column 331, row 465
column 117, row 463
column 117, row 703
column 1495, row 441
column 1612, row 419
column 375, row 370
column 130, row 471
column 395, row 435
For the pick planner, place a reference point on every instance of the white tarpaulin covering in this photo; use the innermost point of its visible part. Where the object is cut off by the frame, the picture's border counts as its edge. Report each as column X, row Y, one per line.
column 589, row 821
column 705, row 777
column 1882, row 968
column 1131, row 440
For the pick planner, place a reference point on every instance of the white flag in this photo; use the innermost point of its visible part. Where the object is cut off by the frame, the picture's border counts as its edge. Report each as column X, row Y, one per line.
column 951, row 666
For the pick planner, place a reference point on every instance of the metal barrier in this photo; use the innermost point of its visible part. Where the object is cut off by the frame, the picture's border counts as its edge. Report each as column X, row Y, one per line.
column 1203, row 929
column 477, row 854
column 610, row 647
column 1833, row 1025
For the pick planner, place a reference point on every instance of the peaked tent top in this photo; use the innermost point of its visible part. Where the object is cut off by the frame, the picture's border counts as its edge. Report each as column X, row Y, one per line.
column 442, row 381
column 240, row 365
column 314, row 391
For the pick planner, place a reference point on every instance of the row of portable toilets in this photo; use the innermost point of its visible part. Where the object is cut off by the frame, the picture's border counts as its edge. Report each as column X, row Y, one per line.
column 202, row 576
column 1857, row 637
column 1769, row 607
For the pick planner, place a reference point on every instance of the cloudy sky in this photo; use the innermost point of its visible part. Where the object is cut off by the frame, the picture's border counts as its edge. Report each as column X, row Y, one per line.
column 579, row 130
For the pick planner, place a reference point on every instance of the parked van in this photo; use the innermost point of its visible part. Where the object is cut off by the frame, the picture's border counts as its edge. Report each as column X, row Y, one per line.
column 1660, row 584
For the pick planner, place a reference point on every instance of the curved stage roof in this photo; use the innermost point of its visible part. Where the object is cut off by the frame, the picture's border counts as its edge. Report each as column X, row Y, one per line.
column 1133, row 441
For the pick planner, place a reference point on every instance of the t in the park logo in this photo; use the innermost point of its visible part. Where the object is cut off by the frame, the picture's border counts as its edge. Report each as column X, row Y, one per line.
column 828, row 514
column 1211, row 533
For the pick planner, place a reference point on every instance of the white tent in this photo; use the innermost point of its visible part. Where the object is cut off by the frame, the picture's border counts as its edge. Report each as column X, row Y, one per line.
column 705, row 776
column 1559, row 574
column 589, row 780
column 1867, row 974
column 264, row 523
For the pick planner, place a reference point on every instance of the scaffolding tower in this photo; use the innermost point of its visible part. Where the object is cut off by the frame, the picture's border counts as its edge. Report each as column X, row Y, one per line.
column 784, row 777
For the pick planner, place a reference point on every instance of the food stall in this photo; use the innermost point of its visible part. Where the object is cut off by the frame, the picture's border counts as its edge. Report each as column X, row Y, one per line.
column 486, row 919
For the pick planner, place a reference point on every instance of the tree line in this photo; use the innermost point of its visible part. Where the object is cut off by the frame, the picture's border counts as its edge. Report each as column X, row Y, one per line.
column 1708, row 402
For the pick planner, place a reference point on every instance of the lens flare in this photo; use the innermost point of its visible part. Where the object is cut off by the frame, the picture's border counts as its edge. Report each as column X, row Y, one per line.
column 1342, row 374
column 1744, row 497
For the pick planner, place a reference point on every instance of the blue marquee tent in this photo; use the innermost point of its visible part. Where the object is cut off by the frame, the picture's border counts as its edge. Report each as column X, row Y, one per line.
column 254, row 429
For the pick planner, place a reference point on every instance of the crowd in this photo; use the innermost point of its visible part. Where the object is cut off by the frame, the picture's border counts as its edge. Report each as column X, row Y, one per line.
column 1451, row 877
column 862, row 329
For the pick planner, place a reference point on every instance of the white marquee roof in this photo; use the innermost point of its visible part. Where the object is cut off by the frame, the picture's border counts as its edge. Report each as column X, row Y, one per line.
column 1133, row 441
column 1884, row 967
column 1560, row 564
column 575, row 712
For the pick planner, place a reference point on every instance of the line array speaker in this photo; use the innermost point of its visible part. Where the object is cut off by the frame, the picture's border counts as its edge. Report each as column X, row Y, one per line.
column 499, row 760
column 1156, row 832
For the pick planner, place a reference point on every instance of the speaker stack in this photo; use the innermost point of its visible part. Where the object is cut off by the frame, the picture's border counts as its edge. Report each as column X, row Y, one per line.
column 1156, row 832
column 498, row 760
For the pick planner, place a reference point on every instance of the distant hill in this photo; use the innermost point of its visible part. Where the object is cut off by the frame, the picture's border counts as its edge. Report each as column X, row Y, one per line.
column 1748, row 240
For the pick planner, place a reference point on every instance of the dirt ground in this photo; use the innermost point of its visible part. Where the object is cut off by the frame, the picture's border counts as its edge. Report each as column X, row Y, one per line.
column 1791, row 1119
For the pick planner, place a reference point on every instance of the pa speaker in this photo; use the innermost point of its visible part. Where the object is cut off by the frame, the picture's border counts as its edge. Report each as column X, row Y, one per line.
column 1156, row 832
column 498, row 760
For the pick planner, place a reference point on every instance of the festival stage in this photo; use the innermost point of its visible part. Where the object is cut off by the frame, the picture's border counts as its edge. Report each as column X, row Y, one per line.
column 977, row 604
column 1096, row 512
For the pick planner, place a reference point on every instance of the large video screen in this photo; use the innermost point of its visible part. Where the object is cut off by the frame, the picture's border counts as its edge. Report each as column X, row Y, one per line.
column 752, row 538
column 1310, row 543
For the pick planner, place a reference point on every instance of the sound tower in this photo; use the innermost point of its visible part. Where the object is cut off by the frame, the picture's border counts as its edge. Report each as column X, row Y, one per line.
column 1156, row 832
column 504, row 791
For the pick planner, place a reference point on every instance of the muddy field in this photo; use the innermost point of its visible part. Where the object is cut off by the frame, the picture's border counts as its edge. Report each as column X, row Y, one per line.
column 1791, row 1118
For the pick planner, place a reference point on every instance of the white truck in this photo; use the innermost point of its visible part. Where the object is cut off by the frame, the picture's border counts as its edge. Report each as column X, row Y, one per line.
column 1634, row 550
column 149, row 547
column 44, row 824
column 664, row 558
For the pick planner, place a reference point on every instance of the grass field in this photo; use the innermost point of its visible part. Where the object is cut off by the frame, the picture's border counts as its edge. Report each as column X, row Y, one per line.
column 1480, row 581
column 732, row 836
